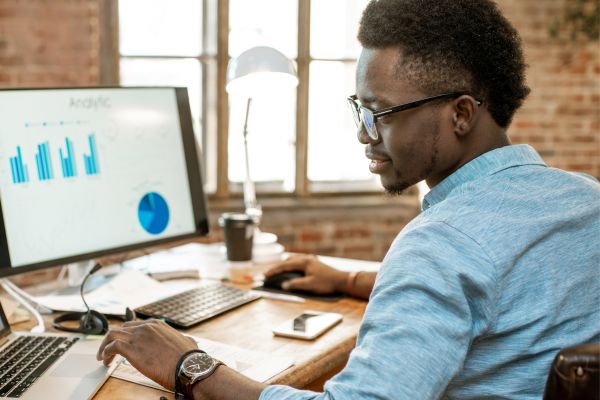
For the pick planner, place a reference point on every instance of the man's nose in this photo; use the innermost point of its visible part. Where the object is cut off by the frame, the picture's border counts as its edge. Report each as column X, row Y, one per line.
column 363, row 136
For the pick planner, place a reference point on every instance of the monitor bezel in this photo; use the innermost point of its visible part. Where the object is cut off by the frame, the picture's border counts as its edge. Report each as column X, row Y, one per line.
column 194, row 171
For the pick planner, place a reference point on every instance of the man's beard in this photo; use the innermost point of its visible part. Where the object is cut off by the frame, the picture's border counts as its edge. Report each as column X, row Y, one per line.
column 397, row 188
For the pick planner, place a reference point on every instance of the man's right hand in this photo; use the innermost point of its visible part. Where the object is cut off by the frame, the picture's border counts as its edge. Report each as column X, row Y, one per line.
column 318, row 278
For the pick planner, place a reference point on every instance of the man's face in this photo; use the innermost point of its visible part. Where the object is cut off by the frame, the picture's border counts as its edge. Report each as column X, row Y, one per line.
column 410, row 142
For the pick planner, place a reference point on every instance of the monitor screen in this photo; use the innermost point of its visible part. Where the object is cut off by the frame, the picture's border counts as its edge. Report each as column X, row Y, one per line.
column 93, row 171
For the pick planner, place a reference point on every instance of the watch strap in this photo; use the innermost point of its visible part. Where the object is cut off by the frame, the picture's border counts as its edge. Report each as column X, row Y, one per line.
column 178, row 392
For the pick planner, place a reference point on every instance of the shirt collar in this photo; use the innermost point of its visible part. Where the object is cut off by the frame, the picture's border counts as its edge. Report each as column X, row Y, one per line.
column 486, row 164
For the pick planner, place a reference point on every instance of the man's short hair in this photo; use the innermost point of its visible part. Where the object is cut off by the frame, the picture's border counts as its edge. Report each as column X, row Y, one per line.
column 452, row 45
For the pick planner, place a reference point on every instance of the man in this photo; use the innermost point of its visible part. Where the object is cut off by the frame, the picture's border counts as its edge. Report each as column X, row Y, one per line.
column 478, row 293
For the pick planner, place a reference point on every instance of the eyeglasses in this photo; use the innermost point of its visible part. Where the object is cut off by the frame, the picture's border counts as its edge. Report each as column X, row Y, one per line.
column 369, row 117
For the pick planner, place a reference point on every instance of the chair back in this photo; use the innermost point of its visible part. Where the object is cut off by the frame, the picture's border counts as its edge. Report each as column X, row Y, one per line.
column 574, row 374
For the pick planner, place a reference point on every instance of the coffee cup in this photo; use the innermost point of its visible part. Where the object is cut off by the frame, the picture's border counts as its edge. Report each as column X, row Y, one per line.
column 238, row 232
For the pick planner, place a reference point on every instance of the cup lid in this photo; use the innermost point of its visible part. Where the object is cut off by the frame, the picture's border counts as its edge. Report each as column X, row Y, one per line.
column 234, row 217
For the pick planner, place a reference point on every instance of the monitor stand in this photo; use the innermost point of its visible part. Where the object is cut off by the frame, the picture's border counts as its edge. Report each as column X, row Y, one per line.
column 77, row 271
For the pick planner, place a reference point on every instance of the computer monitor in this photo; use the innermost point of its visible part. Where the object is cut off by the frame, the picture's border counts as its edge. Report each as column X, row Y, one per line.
column 89, row 172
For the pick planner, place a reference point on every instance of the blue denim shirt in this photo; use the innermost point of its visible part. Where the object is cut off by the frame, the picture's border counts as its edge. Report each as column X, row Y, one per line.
column 479, row 292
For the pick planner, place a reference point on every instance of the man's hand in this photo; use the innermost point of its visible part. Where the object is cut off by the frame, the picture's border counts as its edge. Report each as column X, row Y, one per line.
column 151, row 346
column 319, row 278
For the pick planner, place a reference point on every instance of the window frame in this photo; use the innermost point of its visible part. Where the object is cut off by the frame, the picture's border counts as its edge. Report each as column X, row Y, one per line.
column 215, row 111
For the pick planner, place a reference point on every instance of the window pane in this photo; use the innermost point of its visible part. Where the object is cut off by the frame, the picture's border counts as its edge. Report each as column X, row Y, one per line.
column 334, row 152
column 160, row 27
column 263, row 23
column 333, row 28
column 152, row 72
column 271, row 138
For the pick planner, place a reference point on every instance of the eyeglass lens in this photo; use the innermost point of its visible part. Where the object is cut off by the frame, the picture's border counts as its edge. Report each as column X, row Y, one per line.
column 368, row 120
column 363, row 116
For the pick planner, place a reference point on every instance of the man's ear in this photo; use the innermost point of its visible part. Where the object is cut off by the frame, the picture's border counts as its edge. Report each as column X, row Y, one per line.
column 464, row 117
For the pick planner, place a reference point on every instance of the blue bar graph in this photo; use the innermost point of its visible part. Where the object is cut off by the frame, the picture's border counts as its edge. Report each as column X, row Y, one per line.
column 69, row 169
column 19, row 171
column 44, row 162
column 91, row 161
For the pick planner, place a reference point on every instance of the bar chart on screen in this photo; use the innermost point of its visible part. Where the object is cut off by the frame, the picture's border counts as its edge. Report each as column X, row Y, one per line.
column 46, row 154
column 18, row 169
column 67, row 159
column 44, row 162
column 91, row 160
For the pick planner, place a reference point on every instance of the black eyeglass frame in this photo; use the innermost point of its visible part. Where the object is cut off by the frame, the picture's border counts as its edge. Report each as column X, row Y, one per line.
column 356, row 107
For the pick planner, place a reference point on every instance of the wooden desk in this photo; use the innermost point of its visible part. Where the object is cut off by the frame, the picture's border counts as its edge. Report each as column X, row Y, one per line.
column 250, row 327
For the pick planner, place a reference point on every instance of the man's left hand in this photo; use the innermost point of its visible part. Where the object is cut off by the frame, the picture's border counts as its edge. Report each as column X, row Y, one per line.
column 151, row 346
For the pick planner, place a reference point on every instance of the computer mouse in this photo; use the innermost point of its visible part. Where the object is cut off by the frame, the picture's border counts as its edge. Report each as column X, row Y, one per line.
column 275, row 281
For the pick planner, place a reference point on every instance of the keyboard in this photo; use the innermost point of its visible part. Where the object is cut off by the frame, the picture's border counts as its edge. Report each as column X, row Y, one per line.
column 26, row 359
column 193, row 306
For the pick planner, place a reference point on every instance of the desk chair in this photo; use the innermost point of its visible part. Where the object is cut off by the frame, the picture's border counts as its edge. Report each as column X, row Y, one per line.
column 574, row 374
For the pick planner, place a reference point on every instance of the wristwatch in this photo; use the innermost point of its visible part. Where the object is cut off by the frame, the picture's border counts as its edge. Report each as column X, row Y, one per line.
column 193, row 367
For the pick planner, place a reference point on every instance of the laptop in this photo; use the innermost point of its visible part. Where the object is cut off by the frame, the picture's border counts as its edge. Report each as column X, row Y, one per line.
column 48, row 366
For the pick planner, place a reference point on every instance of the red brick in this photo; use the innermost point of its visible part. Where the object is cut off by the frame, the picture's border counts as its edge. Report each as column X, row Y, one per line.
column 584, row 139
column 346, row 233
column 311, row 236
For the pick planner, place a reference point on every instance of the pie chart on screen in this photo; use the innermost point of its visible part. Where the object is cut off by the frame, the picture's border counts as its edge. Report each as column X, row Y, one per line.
column 153, row 213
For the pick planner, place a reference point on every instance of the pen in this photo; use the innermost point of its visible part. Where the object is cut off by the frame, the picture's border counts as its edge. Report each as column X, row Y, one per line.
column 279, row 296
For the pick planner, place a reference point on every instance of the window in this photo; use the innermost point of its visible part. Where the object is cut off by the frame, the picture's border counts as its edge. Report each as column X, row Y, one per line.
column 272, row 118
column 300, row 142
column 169, row 43
column 333, row 53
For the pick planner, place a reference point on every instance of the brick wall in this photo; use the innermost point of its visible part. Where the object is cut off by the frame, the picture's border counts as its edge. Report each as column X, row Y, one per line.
column 56, row 43
column 561, row 117
column 49, row 43
column 363, row 232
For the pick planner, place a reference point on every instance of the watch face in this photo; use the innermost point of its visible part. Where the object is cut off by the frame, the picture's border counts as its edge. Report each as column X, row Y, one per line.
column 197, row 364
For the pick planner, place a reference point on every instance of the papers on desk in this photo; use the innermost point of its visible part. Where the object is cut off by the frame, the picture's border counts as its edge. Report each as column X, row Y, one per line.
column 201, row 260
column 193, row 259
column 129, row 288
column 253, row 364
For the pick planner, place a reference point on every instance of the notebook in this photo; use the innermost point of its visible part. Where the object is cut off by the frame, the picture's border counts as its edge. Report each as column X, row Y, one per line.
column 48, row 366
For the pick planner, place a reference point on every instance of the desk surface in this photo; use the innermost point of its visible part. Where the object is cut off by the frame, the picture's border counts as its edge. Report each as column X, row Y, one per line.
column 249, row 327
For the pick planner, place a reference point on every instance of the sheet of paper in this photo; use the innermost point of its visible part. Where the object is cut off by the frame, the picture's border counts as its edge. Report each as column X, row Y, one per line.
column 130, row 288
column 253, row 364
column 207, row 259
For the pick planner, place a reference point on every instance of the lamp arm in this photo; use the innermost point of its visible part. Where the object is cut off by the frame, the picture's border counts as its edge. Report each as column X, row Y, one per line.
column 252, row 208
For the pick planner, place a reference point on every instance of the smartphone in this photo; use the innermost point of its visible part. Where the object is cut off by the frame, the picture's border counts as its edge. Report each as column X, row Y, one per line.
column 308, row 325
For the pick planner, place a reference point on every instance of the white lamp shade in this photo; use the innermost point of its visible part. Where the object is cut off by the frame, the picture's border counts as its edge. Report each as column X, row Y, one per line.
column 258, row 69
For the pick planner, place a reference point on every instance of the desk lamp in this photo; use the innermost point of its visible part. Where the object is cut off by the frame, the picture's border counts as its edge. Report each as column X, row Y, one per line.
column 255, row 71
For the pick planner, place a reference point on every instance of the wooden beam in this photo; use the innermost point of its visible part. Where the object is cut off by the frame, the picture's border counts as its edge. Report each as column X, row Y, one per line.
column 222, row 99
column 109, row 43
column 301, row 189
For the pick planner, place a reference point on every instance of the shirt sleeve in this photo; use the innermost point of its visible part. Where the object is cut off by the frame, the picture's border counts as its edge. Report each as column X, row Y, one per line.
column 433, row 296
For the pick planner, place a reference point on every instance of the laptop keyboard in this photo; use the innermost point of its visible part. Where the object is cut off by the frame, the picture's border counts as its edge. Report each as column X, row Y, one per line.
column 26, row 359
column 191, row 307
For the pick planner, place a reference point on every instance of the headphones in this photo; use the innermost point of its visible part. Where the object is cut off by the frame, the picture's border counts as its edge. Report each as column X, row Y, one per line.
column 91, row 322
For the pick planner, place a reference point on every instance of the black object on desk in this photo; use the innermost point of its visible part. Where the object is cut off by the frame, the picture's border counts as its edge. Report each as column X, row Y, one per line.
column 273, row 284
column 275, row 281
